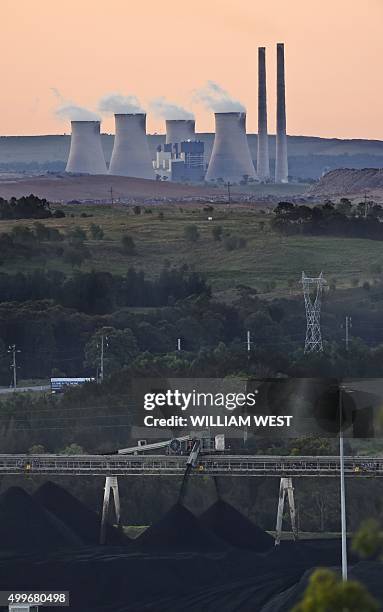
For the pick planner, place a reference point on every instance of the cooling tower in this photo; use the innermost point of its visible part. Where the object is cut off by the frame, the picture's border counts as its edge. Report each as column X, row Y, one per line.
column 263, row 168
column 179, row 130
column 86, row 155
column 281, row 165
column 131, row 155
column 230, row 158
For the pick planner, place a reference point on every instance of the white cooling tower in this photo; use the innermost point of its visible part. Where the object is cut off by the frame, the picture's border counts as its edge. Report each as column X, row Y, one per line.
column 131, row 155
column 86, row 155
column 179, row 130
column 230, row 158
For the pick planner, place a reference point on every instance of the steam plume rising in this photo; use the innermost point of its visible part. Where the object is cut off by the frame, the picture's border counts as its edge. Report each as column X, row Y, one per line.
column 217, row 99
column 76, row 113
column 119, row 104
column 162, row 108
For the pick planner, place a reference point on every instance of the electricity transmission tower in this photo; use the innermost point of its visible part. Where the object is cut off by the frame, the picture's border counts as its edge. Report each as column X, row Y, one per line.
column 313, row 299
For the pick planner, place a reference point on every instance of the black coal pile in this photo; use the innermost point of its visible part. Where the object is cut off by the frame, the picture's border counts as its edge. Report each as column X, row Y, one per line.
column 26, row 525
column 368, row 573
column 80, row 519
column 179, row 530
column 230, row 525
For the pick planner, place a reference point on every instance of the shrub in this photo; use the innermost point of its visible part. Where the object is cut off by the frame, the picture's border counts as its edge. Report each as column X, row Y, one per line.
column 217, row 232
column 96, row 232
column 191, row 233
column 58, row 214
column 75, row 255
column 128, row 245
column 231, row 243
column 376, row 268
column 76, row 235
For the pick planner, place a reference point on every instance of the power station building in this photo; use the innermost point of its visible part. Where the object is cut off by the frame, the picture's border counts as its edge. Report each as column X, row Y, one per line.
column 182, row 156
column 182, row 161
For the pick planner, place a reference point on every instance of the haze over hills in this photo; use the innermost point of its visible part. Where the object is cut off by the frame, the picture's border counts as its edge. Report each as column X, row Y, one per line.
column 309, row 156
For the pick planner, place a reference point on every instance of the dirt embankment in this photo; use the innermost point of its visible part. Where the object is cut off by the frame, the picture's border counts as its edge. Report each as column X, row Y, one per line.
column 64, row 188
column 349, row 182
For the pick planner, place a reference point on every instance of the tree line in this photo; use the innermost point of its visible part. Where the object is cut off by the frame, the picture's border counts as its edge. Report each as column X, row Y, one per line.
column 27, row 207
column 343, row 219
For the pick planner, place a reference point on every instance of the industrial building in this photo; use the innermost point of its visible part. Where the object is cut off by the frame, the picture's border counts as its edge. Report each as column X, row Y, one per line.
column 182, row 157
column 181, row 162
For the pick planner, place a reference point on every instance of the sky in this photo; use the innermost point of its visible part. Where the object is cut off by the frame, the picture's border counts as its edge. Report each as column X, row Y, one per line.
column 77, row 51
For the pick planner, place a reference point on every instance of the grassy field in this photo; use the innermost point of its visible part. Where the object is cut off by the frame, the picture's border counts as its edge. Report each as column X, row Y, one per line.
column 266, row 256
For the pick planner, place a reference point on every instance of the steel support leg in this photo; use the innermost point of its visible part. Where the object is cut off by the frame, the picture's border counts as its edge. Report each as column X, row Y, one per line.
column 285, row 486
column 281, row 504
column 111, row 485
column 290, row 496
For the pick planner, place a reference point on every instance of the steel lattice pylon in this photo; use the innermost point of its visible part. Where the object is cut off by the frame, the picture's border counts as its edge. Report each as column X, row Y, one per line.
column 313, row 300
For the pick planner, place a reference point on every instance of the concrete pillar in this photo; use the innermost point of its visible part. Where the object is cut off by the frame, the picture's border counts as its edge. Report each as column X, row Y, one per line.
column 111, row 486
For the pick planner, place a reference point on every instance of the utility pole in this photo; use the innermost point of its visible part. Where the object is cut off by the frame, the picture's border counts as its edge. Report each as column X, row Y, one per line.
column 348, row 326
column 228, row 192
column 104, row 342
column 248, row 341
column 111, row 195
column 12, row 349
column 342, row 491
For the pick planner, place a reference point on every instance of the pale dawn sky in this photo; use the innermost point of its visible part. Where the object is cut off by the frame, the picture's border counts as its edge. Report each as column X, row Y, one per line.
column 78, row 51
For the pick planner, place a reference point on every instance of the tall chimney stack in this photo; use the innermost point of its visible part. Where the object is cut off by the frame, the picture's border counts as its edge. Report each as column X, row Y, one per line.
column 263, row 167
column 281, row 166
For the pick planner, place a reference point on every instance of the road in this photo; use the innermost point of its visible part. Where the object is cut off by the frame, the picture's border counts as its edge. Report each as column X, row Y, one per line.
column 5, row 390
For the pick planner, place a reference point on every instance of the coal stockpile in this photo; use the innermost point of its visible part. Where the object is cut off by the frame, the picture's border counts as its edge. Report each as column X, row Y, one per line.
column 26, row 525
column 179, row 530
column 73, row 513
column 368, row 573
column 230, row 525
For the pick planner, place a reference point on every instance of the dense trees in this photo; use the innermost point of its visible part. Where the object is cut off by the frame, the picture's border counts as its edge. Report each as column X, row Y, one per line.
column 52, row 318
column 330, row 220
column 27, row 207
